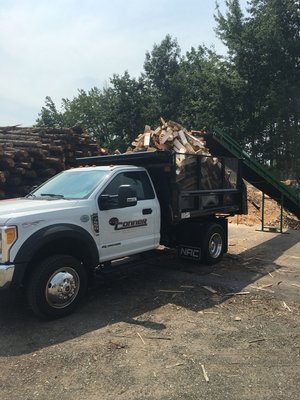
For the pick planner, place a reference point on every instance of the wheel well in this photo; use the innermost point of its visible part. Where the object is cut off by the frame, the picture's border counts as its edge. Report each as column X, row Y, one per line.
column 192, row 231
column 68, row 246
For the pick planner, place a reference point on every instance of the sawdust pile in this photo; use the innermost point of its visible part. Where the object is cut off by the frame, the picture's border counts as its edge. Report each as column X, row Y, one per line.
column 271, row 213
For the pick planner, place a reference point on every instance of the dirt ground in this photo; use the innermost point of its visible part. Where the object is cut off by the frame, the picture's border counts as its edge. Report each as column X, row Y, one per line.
column 168, row 329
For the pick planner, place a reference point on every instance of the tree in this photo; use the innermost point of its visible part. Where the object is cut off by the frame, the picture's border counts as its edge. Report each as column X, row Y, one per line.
column 49, row 116
column 114, row 115
column 127, row 112
column 90, row 109
column 252, row 92
column 209, row 89
column 161, row 67
column 264, row 49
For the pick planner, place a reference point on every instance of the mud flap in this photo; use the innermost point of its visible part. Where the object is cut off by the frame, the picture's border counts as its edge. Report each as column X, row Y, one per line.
column 189, row 252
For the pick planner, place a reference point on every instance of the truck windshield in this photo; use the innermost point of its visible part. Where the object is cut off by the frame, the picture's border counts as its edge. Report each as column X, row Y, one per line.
column 68, row 185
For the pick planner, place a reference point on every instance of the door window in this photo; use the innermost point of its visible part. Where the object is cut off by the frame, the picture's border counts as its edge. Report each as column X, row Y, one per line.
column 138, row 180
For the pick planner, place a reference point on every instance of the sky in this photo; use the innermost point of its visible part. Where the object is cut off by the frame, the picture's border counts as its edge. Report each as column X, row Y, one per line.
column 55, row 47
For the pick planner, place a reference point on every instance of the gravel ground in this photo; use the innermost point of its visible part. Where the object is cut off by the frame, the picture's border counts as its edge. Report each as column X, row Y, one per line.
column 169, row 329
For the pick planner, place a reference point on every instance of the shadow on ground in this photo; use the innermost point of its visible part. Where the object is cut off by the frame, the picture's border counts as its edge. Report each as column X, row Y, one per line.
column 122, row 296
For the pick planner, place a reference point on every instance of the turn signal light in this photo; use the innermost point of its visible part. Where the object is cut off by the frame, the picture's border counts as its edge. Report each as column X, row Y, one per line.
column 11, row 235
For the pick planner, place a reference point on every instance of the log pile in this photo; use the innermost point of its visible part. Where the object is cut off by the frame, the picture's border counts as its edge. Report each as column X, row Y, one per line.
column 171, row 136
column 29, row 156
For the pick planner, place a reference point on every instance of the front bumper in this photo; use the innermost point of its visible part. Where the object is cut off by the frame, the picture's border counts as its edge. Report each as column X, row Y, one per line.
column 6, row 275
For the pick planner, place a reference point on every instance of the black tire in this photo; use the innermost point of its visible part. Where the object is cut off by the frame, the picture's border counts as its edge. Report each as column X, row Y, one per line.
column 56, row 286
column 213, row 245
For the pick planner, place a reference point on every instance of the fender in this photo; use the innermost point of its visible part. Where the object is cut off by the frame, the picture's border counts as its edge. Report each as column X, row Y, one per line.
column 46, row 235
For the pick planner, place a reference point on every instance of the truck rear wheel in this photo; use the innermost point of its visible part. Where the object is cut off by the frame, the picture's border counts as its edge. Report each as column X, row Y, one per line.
column 213, row 244
column 56, row 287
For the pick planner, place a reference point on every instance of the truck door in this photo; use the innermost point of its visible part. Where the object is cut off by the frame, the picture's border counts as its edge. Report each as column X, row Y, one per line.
column 129, row 230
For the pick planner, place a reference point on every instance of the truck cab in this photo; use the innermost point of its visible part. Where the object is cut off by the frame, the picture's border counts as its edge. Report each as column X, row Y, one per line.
column 72, row 223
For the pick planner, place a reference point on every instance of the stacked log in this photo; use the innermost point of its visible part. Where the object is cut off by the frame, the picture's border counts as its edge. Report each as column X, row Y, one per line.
column 171, row 136
column 29, row 156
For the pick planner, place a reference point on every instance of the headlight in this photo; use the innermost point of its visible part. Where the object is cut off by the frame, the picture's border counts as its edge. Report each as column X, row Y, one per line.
column 8, row 236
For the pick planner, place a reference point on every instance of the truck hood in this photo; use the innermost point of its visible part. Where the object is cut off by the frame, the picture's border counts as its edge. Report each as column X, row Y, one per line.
column 18, row 209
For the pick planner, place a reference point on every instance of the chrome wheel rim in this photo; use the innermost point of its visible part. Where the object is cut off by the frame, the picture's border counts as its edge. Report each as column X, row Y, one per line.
column 62, row 287
column 215, row 245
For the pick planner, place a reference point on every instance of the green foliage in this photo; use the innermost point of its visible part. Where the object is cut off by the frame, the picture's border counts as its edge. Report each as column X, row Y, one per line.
column 210, row 87
column 49, row 116
column 162, row 67
column 127, row 110
column 252, row 92
column 264, row 50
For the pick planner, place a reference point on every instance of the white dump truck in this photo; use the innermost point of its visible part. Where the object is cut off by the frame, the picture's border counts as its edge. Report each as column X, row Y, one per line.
column 54, row 240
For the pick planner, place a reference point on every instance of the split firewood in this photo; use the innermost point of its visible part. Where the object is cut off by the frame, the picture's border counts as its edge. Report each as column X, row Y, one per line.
column 147, row 139
column 174, row 136
column 164, row 136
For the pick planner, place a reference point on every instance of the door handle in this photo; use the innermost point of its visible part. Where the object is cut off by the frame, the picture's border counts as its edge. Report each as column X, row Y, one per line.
column 147, row 211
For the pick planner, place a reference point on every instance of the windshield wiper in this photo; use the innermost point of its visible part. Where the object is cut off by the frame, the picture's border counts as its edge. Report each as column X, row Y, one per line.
column 58, row 196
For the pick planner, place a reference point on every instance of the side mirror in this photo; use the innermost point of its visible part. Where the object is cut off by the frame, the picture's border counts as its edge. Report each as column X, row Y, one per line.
column 127, row 196
column 107, row 201
column 104, row 201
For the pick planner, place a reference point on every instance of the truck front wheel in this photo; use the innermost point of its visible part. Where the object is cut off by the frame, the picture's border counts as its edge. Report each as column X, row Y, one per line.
column 213, row 244
column 56, row 286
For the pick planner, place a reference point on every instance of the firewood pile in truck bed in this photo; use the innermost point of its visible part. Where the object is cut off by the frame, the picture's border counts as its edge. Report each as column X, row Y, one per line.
column 29, row 156
column 171, row 136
